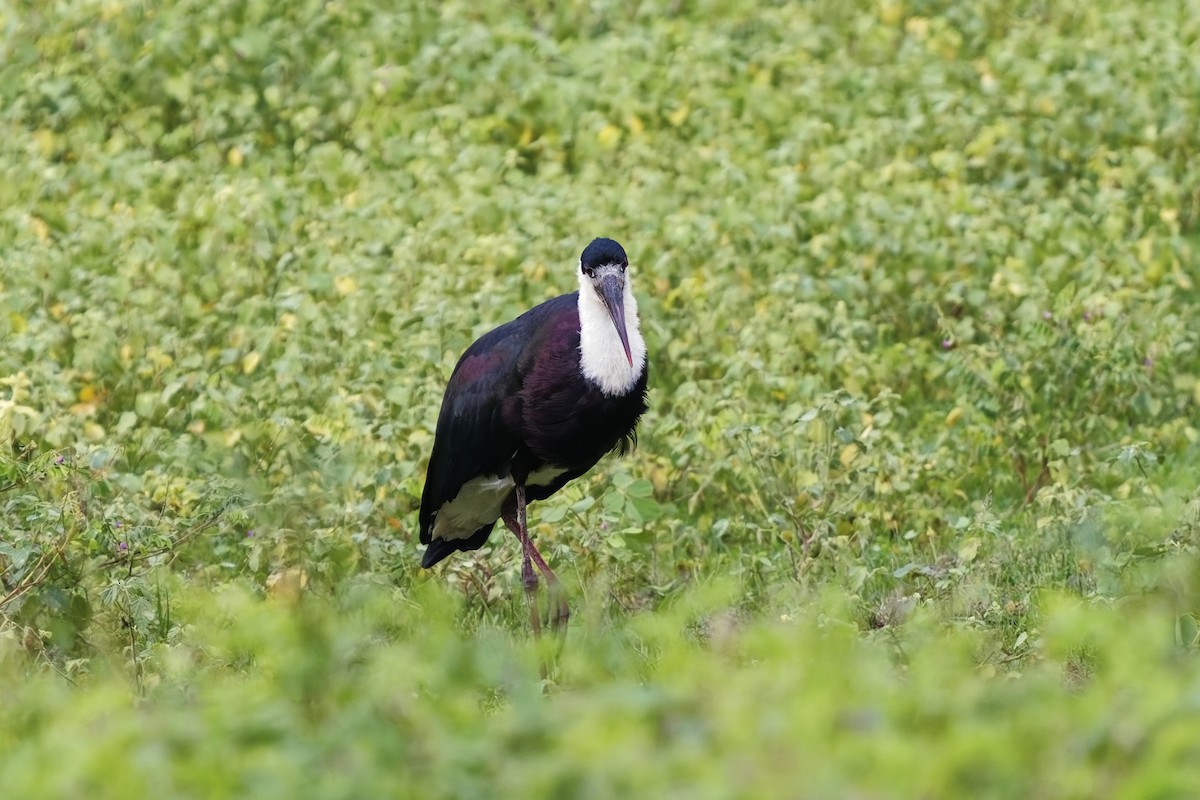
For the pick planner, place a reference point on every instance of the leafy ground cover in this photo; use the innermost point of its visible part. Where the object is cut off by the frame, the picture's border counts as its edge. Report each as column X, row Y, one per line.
column 915, row 510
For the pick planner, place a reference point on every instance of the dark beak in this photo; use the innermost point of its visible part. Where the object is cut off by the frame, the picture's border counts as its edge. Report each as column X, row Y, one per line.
column 612, row 292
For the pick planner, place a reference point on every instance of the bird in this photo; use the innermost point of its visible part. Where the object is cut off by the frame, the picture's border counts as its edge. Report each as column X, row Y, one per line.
column 530, row 406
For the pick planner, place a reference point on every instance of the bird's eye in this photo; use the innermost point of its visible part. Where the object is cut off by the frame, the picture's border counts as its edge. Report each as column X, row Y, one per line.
column 589, row 271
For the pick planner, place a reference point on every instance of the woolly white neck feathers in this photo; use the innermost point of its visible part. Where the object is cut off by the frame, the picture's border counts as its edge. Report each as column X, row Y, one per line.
column 601, row 354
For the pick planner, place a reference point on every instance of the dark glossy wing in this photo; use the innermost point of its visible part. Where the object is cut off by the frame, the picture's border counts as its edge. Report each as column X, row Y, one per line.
column 473, row 435
column 471, row 438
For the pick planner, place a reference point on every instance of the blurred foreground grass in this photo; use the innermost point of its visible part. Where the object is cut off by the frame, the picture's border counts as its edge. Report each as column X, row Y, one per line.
column 376, row 693
column 915, row 510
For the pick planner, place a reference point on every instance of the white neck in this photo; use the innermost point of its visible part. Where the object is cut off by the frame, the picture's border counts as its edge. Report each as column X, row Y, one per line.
column 601, row 354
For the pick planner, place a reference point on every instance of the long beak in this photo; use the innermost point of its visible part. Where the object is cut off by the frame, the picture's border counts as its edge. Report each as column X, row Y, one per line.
column 612, row 292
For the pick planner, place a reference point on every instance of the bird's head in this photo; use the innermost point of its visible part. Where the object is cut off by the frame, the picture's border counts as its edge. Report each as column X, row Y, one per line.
column 602, row 269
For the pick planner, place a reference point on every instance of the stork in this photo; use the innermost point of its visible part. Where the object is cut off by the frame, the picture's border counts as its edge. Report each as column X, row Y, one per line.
column 531, row 405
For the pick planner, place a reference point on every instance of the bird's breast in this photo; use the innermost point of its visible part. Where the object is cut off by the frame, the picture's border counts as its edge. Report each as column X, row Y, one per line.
column 568, row 421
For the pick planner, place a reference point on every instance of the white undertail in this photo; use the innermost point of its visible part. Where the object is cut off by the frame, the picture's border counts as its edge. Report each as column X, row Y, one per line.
column 480, row 501
column 601, row 354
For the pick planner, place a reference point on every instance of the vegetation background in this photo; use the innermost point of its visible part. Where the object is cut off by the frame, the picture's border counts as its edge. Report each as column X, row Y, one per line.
column 914, row 513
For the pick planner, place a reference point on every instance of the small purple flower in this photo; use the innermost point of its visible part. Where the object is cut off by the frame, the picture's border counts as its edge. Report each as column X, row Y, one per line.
column 117, row 523
column 60, row 460
column 250, row 533
column 122, row 546
column 1087, row 316
column 1046, row 315
column 947, row 344
column 1147, row 362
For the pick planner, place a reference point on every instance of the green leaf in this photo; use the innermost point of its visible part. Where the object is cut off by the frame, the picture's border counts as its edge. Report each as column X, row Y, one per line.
column 126, row 423
column 552, row 513
column 640, row 488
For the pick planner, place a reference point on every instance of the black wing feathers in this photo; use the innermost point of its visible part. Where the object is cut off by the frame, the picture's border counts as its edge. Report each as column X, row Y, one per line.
column 473, row 436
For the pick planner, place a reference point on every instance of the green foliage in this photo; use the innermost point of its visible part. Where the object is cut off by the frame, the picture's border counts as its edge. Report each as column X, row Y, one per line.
column 379, row 693
column 918, row 280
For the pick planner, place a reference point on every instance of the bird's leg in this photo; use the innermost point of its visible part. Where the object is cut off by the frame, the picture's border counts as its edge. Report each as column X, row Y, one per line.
column 530, row 581
column 512, row 514
column 560, row 611
column 515, row 518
